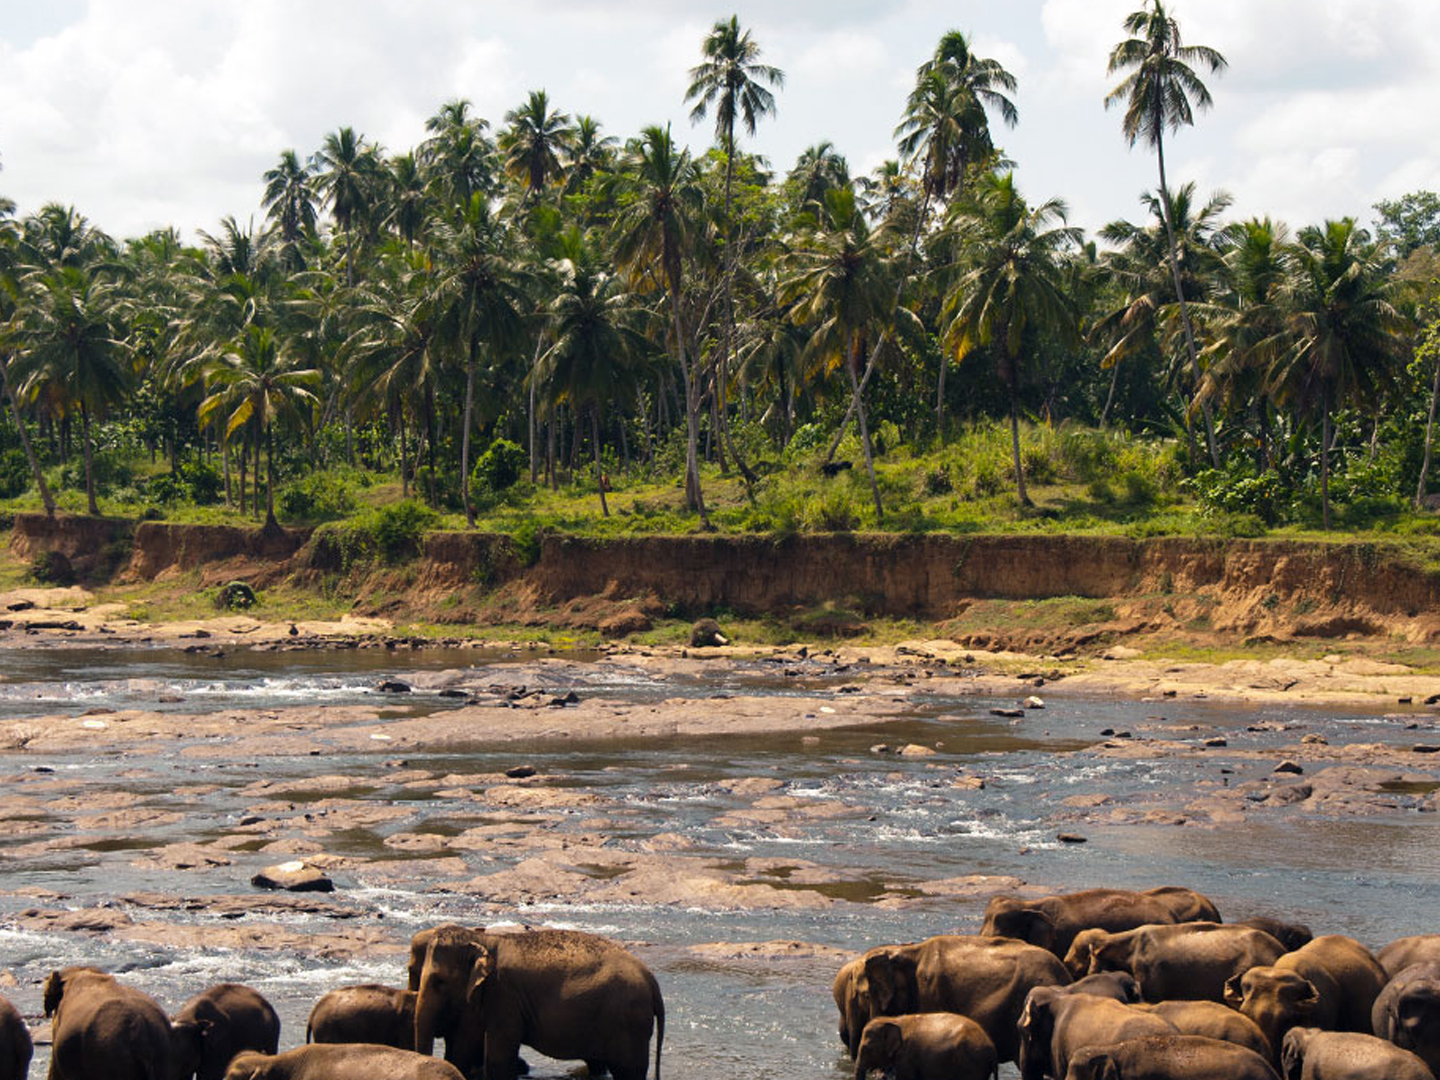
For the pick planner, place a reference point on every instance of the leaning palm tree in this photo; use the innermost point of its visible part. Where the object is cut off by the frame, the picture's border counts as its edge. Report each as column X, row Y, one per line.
column 1344, row 339
column 1011, row 282
column 289, row 202
column 254, row 382
column 655, row 233
column 536, row 144
column 1160, row 93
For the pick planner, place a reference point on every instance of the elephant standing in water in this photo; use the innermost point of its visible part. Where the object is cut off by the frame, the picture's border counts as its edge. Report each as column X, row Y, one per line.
column 367, row 1013
column 569, row 995
column 1169, row 1057
column 1407, row 1012
column 928, row 1046
column 16, row 1047
column 340, row 1061
column 1053, row 921
column 103, row 1028
column 220, row 1022
column 1177, row 962
column 1056, row 1024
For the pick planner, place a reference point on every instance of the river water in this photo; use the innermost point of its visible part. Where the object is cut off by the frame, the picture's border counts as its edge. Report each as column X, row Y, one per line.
column 1376, row 878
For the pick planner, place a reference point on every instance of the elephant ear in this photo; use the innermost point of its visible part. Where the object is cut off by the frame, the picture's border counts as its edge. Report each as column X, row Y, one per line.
column 54, row 991
column 1292, row 1055
column 891, row 1038
column 1234, row 993
column 480, row 973
column 1039, row 929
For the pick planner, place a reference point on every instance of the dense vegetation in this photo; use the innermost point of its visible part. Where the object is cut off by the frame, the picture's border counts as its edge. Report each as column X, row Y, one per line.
column 504, row 316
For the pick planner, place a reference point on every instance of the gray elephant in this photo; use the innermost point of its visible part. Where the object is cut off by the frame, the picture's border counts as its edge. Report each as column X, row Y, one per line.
column 568, row 994
column 367, row 1013
column 984, row 978
column 220, row 1022
column 1311, row 1054
column 1331, row 983
column 1407, row 1012
column 1214, row 1021
column 16, row 1047
column 1177, row 962
column 1052, row 922
column 1416, row 949
column 1169, row 1057
column 1054, row 1025
column 927, row 1046
column 103, row 1028
column 340, row 1061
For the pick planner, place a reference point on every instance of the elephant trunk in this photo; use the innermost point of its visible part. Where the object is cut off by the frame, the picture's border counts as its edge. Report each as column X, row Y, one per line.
column 428, row 1007
column 863, row 1065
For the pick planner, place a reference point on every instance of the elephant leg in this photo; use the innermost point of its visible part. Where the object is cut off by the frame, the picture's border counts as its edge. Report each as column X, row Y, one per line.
column 597, row 1068
column 522, row 1067
column 502, row 1060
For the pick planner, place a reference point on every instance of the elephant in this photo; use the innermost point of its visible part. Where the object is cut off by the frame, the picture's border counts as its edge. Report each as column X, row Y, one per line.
column 1331, row 983
column 1407, row 1012
column 568, row 994
column 1400, row 954
column 1169, row 1057
column 1292, row 935
column 1214, row 1021
column 852, row 1000
column 1053, row 921
column 367, row 1013
column 104, row 1028
column 984, row 978
column 1311, row 1054
column 1175, row 962
column 1054, row 1025
column 340, row 1061
column 926, row 1046
column 1120, row 985
column 16, row 1046
column 235, row 1018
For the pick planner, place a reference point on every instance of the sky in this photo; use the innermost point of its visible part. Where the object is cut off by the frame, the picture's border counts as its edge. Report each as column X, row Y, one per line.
column 148, row 113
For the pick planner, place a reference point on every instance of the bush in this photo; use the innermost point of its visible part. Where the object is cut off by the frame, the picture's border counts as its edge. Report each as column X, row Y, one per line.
column 1238, row 491
column 398, row 528
column 52, row 568
column 166, row 489
column 235, row 596
column 937, row 481
column 109, row 469
column 831, row 511
column 15, row 475
column 499, row 467
column 315, row 497
column 204, row 482
column 527, row 540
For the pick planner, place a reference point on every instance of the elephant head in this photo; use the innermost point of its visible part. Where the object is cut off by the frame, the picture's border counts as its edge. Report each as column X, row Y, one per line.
column 1120, row 985
column 1292, row 1051
column 1276, row 999
column 1036, row 1028
column 1083, row 957
column 248, row 1065
column 1007, row 917
column 1093, row 1063
column 187, row 1046
column 57, row 982
column 879, row 1047
column 892, row 981
column 1416, row 1026
column 448, row 984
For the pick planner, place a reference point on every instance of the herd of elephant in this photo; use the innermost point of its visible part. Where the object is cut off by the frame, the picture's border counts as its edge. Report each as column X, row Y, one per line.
column 567, row 994
column 1108, row 984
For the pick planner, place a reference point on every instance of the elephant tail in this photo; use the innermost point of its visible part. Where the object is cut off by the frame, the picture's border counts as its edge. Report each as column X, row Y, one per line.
column 659, row 1024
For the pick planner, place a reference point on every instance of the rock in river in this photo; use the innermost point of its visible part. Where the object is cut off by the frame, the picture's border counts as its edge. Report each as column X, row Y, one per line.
column 296, row 876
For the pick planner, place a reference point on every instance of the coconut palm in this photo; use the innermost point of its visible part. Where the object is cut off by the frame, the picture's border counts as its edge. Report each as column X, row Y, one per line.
column 255, row 382
column 590, row 154
column 1160, row 93
column 819, row 169
column 9, row 309
column 1011, row 282
column 289, row 202
column 347, row 166
column 536, row 144
column 71, row 336
column 1344, row 338
column 408, row 199
column 457, row 157
column 655, row 233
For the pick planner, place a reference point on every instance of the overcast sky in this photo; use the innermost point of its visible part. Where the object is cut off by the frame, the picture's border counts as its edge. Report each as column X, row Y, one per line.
column 145, row 113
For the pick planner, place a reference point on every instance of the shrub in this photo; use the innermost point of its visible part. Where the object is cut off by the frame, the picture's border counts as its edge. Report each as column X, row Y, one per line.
column 1239, row 491
column 109, row 469
column 831, row 511
column 52, row 568
column 937, row 481
column 14, row 474
column 235, row 596
column 204, row 482
column 499, row 467
column 317, row 496
column 166, row 489
column 527, row 540
column 399, row 527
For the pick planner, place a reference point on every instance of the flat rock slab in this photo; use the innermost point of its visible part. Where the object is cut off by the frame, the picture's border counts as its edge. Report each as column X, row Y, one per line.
column 293, row 877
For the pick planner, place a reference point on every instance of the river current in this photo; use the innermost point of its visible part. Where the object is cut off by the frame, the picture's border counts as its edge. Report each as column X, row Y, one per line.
column 1375, row 878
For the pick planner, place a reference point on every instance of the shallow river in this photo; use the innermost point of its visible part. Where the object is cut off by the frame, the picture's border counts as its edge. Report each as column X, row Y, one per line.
column 1375, row 878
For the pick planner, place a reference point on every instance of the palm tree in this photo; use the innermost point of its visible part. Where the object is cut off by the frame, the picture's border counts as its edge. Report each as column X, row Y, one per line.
column 842, row 286
column 1161, row 92
column 409, row 201
column 256, row 383
column 819, row 169
column 1012, row 283
column 289, row 202
column 595, row 335
column 590, row 154
column 9, row 309
column 1344, row 338
column 655, row 232
column 536, row 143
column 73, row 352
column 457, row 157
column 946, row 128
column 347, row 165
column 477, row 300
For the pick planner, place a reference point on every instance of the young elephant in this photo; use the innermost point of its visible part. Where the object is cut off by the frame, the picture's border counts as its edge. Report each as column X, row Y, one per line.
column 1053, row 921
column 1184, row 962
column 1331, row 983
column 104, row 1028
column 1056, row 1024
column 1214, row 1021
column 1417, row 949
column 222, row 1021
column 1169, row 1057
column 1311, row 1054
column 340, row 1061
column 1118, row 985
column 568, row 994
column 16, row 1047
column 1407, row 1012
column 926, row 1046
column 367, row 1013
column 984, row 978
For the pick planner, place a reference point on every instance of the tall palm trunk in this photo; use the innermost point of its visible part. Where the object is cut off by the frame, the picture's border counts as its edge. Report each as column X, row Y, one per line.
column 1023, row 495
column 530, row 419
column 694, row 497
column 270, row 522
column 851, row 362
column 599, row 476
column 94, row 507
column 1325, row 457
column 1429, row 432
column 465, row 436
column 1110, row 397
column 44, row 488
column 1184, row 307
column 404, row 457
